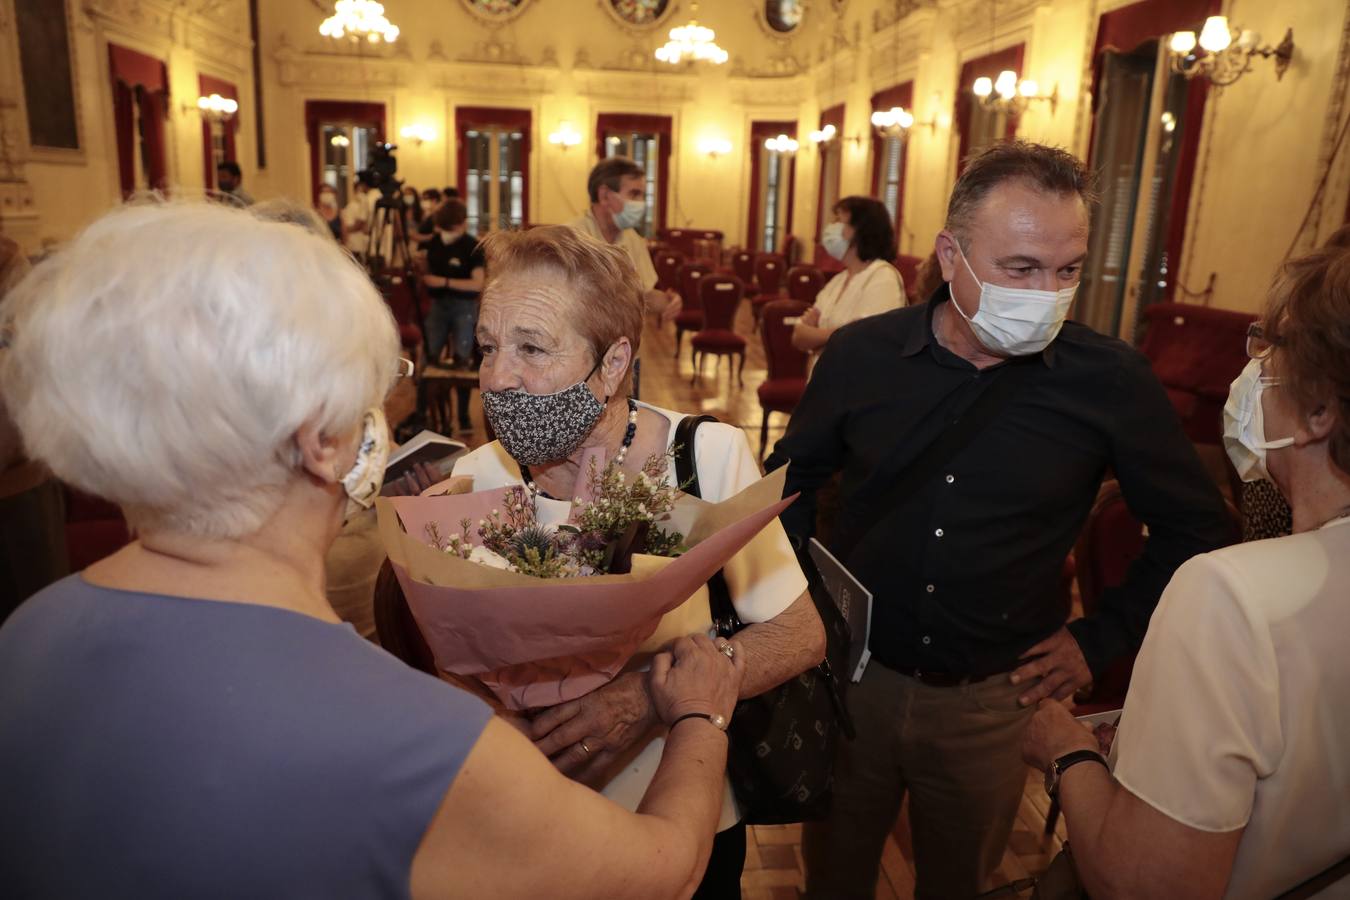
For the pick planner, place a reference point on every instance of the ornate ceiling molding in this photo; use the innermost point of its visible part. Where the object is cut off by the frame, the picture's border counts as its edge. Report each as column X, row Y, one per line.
column 979, row 20
column 313, row 69
column 644, row 29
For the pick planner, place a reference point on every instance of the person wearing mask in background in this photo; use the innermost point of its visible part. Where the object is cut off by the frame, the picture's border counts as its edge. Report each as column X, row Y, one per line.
column 965, row 555
column 432, row 200
column 32, row 503
column 413, row 215
column 454, row 278
column 617, row 188
column 356, row 216
column 861, row 237
column 329, row 211
column 230, row 180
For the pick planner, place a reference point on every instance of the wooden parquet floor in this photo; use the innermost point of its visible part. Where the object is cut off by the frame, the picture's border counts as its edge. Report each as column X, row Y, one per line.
column 773, row 866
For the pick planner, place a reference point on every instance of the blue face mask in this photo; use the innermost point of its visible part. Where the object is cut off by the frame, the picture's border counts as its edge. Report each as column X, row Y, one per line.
column 631, row 214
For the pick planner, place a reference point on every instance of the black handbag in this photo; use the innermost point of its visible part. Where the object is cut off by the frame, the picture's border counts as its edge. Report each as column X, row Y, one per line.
column 781, row 756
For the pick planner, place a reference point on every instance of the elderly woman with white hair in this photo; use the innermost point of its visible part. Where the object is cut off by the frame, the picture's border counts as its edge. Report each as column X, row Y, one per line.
column 189, row 718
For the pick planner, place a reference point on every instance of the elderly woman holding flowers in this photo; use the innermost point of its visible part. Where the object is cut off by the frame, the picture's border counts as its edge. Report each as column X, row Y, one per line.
column 559, row 328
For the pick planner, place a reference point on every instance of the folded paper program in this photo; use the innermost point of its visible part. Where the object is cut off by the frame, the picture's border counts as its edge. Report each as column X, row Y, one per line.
column 537, row 642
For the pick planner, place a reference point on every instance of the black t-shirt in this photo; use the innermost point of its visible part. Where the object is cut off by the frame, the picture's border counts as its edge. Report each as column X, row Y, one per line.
column 456, row 259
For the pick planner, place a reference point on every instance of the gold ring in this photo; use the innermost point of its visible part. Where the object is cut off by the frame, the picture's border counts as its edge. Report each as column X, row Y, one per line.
column 584, row 748
column 728, row 650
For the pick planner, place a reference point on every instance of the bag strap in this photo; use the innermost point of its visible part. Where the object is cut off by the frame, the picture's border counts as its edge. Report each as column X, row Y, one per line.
column 959, row 432
column 1319, row 882
column 686, row 476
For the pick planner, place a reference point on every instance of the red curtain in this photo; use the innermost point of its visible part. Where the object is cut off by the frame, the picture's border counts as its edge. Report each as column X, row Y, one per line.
column 140, row 81
column 470, row 117
column 207, row 86
column 899, row 95
column 832, row 116
column 124, row 120
column 659, row 125
column 759, row 133
column 367, row 115
column 154, row 110
column 989, row 67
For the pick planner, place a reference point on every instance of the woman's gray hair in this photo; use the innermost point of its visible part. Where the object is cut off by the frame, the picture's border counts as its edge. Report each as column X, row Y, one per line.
column 167, row 356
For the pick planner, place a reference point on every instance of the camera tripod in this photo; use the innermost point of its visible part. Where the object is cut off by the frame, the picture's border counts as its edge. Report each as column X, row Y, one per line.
column 387, row 222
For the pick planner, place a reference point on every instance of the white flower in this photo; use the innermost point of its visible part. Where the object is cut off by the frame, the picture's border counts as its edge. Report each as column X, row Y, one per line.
column 485, row 557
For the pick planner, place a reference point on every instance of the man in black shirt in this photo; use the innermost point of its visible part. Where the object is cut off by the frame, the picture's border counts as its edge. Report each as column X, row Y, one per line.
column 968, row 625
column 454, row 278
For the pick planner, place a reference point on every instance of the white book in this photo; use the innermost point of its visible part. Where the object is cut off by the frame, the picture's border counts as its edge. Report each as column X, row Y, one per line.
column 435, row 450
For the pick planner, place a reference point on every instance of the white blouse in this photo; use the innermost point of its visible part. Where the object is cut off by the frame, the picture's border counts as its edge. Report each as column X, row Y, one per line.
column 764, row 578
column 1237, row 713
column 876, row 289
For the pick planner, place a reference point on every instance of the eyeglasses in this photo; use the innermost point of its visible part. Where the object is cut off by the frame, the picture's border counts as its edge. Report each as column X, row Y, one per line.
column 1259, row 345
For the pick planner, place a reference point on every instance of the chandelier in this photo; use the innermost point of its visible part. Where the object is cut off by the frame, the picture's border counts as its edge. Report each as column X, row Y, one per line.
column 357, row 19
column 892, row 123
column 692, row 41
column 1009, row 94
column 1224, row 60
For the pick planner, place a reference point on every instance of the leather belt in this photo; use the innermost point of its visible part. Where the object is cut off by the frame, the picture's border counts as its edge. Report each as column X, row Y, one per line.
column 947, row 679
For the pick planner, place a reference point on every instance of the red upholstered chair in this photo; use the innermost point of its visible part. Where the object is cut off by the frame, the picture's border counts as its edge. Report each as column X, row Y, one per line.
column 770, row 272
column 804, row 283
column 95, row 529
column 743, row 267
column 1196, row 353
column 825, row 262
column 667, row 264
column 720, row 296
column 678, row 239
column 786, row 381
column 908, row 267
column 690, row 317
column 791, row 250
column 405, row 303
column 708, row 250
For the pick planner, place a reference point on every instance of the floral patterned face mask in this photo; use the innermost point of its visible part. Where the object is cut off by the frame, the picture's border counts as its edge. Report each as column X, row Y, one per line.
column 539, row 428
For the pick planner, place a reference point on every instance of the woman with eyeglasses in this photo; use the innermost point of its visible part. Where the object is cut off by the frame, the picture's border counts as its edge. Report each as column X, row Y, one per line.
column 1230, row 773
column 189, row 717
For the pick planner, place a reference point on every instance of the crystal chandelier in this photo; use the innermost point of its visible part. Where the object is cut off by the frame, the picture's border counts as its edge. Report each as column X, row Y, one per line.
column 357, row 19
column 692, row 41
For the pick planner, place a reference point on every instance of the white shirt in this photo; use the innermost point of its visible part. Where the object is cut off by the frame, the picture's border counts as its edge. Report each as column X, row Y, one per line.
column 1239, row 707
column 359, row 211
column 632, row 243
column 876, row 289
column 764, row 578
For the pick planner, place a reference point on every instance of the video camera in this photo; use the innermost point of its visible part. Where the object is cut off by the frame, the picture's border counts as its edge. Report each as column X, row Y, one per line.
column 380, row 173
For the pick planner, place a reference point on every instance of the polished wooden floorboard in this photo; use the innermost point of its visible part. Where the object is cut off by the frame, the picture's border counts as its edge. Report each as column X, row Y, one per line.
column 773, row 866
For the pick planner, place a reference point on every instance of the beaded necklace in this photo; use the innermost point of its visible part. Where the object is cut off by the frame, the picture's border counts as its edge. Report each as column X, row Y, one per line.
column 619, row 457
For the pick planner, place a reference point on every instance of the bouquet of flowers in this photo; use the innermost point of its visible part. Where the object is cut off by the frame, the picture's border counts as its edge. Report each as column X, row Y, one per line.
column 542, row 616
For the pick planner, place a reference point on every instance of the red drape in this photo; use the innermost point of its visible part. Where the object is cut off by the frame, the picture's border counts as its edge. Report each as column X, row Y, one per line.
column 124, row 120
column 154, row 110
column 900, row 95
column 208, row 86
column 759, row 133
column 469, row 117
column 132, row 71
column 368, row 115
column 659, row 125
column 987, row 66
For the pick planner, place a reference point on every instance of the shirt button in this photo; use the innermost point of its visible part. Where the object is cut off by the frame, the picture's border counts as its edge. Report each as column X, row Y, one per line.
column 951, row 479
column 931, row 588
column 938, row 532
column 927, row 640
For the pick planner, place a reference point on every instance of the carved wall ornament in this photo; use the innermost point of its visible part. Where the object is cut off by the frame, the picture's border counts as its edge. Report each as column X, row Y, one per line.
column 638, row 15
column 496, row 12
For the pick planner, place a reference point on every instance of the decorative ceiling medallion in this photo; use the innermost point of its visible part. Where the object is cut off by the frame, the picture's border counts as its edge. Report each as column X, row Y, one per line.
column 496, row 11
column 638, row 13
column 783, row 16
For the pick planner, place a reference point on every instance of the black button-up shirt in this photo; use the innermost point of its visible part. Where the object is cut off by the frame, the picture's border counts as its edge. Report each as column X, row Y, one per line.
column 968, row 573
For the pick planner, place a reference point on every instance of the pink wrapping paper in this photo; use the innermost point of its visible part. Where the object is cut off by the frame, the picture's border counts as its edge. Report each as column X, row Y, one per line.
column 536, row 642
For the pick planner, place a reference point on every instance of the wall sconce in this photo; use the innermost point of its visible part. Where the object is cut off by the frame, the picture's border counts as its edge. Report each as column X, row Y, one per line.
column 340, row 140
column 1009, row 95
column 897, row 122
column 565, row 136
column 418, row 134
column 216, row 108
column 823, row 135
column 714, row 146
column 782, row 145
column 1224, row 60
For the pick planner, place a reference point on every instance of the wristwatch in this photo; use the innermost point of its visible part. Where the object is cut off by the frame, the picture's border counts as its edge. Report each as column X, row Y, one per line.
column 1061, row 765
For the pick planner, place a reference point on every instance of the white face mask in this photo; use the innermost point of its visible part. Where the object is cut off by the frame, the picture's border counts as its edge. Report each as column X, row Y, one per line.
column 1015, row 321
column 833, row 240
column 631, row 214
column 1244, row 426
column 363, row 481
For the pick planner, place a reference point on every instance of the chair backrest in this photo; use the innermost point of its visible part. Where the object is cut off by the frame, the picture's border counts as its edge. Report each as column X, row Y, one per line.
column 395, row 626
column 783, row 359
column 769, row 271
column 668, row 264
column 401, row 296
column 804, row 282
column 691, row 275
column 1196, row 352
column 707, row 250
column 743, row 264
column 720, row 295
column 791, row 249
column 908, row 266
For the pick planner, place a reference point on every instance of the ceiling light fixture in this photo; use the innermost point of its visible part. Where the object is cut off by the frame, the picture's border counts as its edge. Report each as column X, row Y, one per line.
column 693, row 42
column 358, row 20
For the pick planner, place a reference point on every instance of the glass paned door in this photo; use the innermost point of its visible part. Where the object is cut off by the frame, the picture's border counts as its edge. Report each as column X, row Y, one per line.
column 890, row 178
column 776, row 182
column 643, row 148
column 495, row 178
column 345, row 150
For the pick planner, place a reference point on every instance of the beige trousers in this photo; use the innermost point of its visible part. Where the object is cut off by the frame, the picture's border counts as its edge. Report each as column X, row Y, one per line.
column 956, row 751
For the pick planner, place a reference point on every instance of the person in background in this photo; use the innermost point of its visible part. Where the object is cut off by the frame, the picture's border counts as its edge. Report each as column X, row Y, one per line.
column 1230, row 775
column 412, row 211
column 433, row 198
column 969, row 618
column 617, row 188
column 200, row 669
column 356, row 217
column 230, row 181
column 454, row 278
column 32, row 503
column 862, row 238
column 329, row 211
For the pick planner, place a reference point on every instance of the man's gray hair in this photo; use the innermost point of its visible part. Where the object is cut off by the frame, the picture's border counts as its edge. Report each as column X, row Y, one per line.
column 167, row 356
column 1049, row 169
